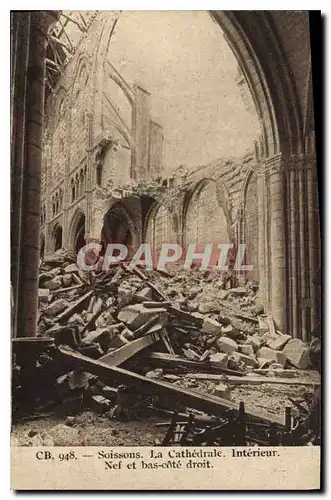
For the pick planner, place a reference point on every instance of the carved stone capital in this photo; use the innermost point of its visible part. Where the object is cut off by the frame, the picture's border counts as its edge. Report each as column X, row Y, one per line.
column 274, row 166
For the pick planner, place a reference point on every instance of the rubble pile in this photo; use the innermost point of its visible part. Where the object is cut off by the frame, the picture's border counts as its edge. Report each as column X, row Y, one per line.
column 187, row 330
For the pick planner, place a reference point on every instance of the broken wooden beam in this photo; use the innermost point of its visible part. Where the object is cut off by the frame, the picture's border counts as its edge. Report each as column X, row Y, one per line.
column 233, row 380
column 122, row 354
column 174, row 361
column 209, row 404
column 186, row 316
column 79, row 304
column 68, row 289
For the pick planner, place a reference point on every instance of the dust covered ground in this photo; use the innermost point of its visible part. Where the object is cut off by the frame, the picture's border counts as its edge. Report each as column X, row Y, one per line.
column 91, row 429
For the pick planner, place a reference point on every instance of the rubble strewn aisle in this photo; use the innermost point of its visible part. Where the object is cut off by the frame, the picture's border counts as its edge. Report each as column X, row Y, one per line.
column 191, row 330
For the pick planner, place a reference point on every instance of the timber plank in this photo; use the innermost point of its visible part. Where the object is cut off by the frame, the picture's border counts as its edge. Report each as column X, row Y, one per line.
column 206, row 403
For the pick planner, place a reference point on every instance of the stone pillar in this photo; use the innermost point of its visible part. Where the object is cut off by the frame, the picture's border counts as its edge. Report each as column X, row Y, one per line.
column 313, row 238
column 304, row 246
column 261, row 260
column 277, row 284
column 294, row 324
column 27, row 211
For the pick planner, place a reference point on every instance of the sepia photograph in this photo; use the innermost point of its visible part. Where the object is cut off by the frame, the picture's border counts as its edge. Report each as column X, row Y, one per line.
column 166, row 274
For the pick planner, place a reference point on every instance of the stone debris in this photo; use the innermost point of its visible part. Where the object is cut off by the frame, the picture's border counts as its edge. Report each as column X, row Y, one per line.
column 157, row 325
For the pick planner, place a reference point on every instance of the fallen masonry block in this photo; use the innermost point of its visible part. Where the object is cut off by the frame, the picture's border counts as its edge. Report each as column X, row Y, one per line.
column 263, row 324
column 145, row 293
column 66, row 279
column 102, row 335
column 253, row 341
column 136, row 315
column 278, row 343
column 231, row 332
column 211, row 326
column 266, row 353
column 297, row 353
column 239, row 291
column 78, row 379
column 54, row 283
column 43, row 294
column 224, row 344
column 186, row 316
column 222, row 391
column 247, row 349
column 71, row 268
column 77, row 319
column 100, row 404
column 56, row 307
column 242, row 358
column 220, row 360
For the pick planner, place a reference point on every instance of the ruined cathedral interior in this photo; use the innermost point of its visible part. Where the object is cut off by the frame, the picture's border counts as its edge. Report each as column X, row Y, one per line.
column 126, row 128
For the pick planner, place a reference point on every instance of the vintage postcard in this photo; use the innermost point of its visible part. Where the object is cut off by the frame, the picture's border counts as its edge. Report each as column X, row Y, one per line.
column 165, row 251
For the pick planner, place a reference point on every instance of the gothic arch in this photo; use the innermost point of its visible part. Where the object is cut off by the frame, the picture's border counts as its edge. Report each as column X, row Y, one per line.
column 152, row 214
column 77, row 226
column 196, row 201
column 253, row 38
column 119, row 226
column 57, row 237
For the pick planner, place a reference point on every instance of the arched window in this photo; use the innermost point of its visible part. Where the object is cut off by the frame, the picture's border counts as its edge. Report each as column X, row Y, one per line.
column 60, row 200
column 81, row 182
column 57, row 238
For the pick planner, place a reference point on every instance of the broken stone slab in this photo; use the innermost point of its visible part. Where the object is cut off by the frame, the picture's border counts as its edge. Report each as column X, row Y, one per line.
column 219, row 360
column 224, row 344
column 54, row 283
column 254, row 341
column 100, row 404
column 222, row 391
column 43, row 294
column 231, row 332
column 190, row 354
column 265, row 353
column 67, row 280
column 103, row 336
column 71, row 268
column 146, row 293
column 239, row 291
column 211, row 326
column 56, row 307
column 136, row 315
column 77, row 319
column 249, row 361
column 78, row 379
column 278, row 343
column 297, row 353
column 247, row 349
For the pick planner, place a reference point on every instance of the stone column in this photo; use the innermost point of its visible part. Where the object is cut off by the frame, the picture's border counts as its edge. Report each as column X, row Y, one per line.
column 261, row 260
column 26, row 293
column 314, row 242
column 276, row 186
